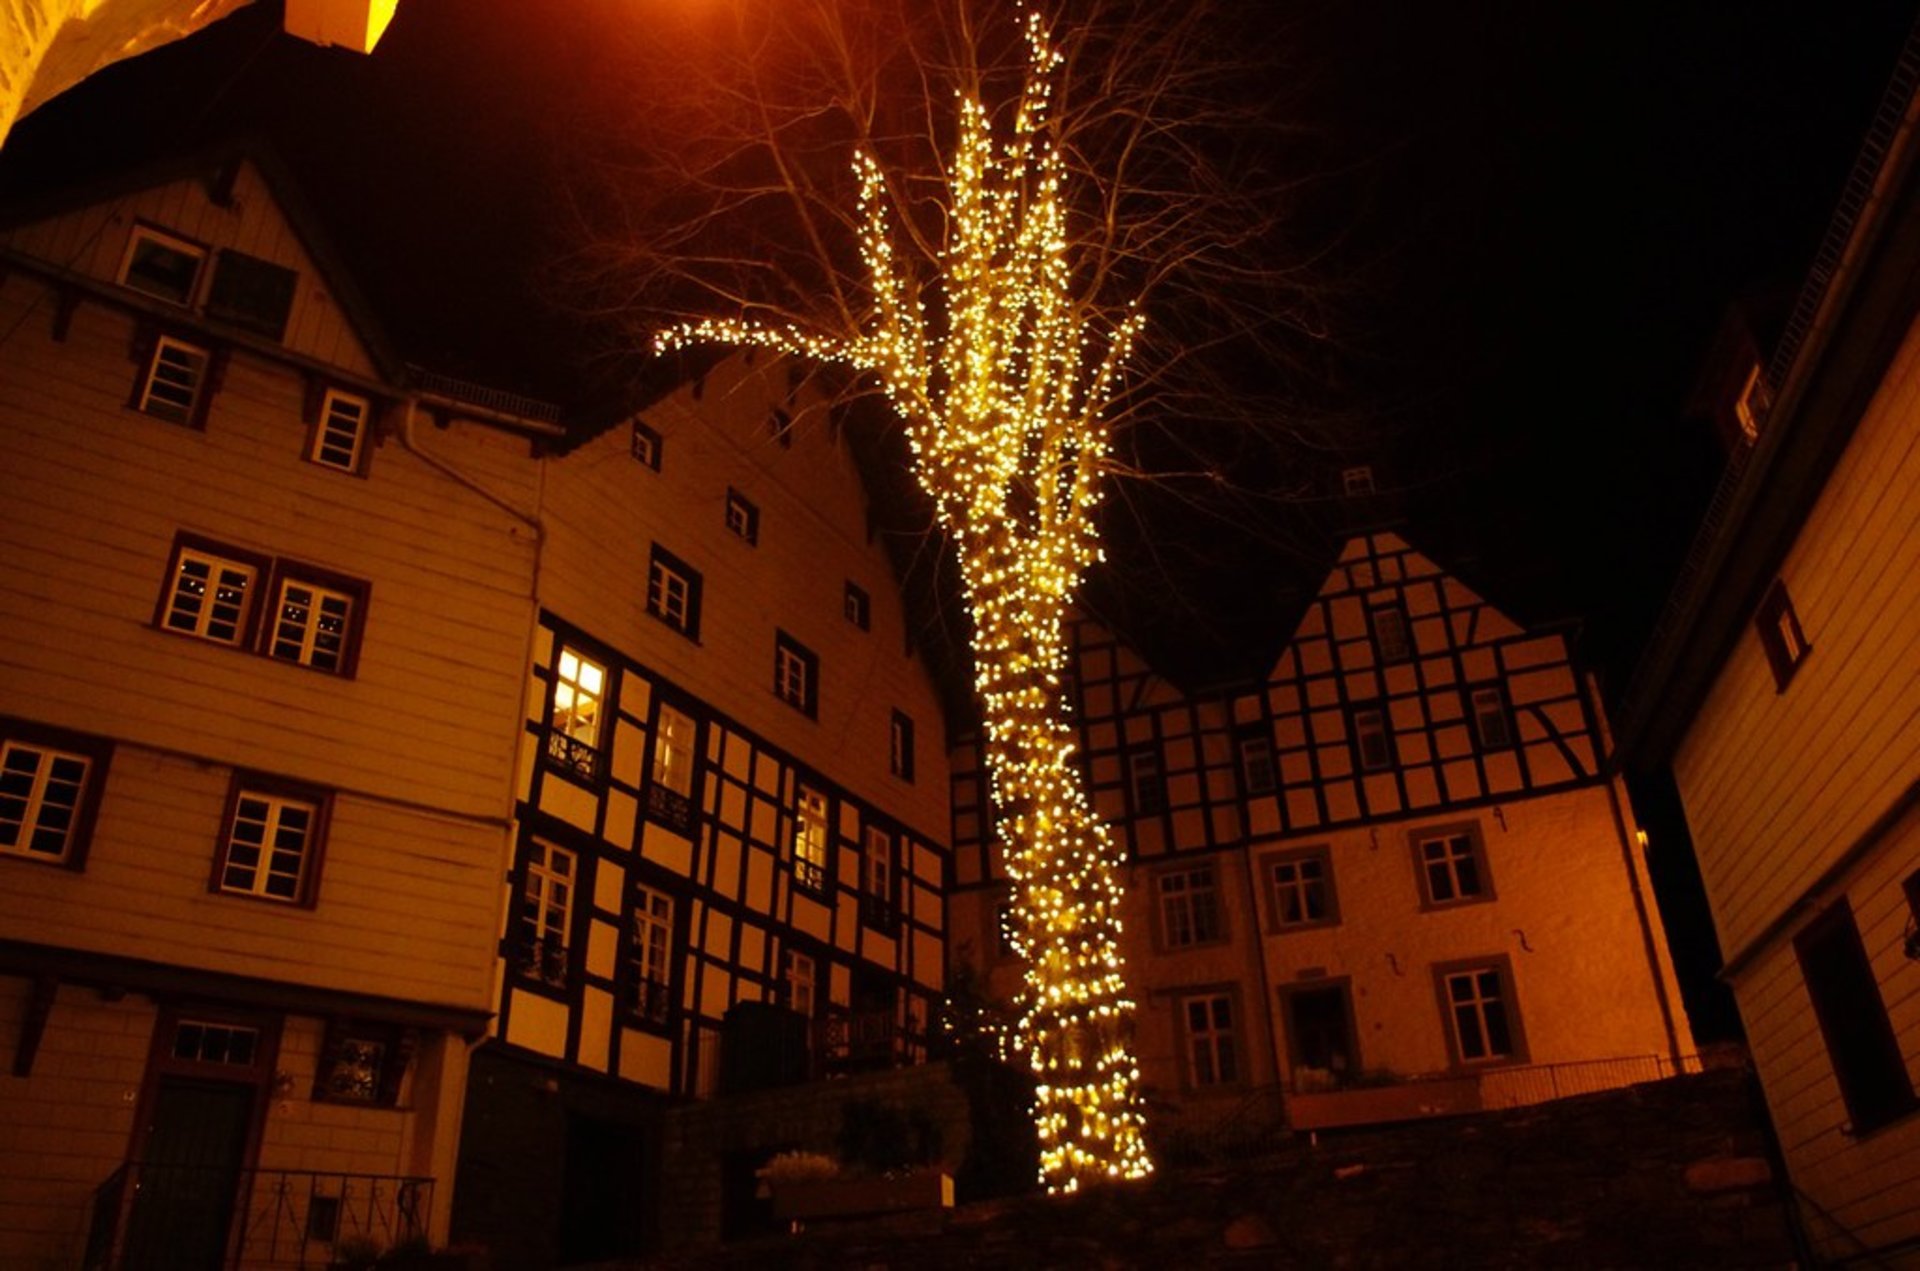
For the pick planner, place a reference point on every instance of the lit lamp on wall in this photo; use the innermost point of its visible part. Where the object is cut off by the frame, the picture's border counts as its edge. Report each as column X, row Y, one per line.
column 353, row 24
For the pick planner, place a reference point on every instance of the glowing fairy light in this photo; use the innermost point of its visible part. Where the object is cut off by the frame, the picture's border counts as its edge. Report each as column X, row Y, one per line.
column 1004, row 415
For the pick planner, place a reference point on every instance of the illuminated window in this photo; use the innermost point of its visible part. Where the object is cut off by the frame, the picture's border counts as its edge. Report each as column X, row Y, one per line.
column 1847, row 1002
column 796, row 674
column 313, row 625
column 810, row 839
column 1482, row 1025
column 1302, row 889
column 1780, row 635
column 1257, row 773
column 877, row 908
column 1189, row 908
column 162, row 265
column 1490, row 722
column 252, row 294
column 673, row 592
column 673, row 751
column 573, row 727
column 743, row 518
column 651, row 953
column 1390, row 636
column 340, row 435
column 1208, row 1024
column 173, row 384
column 1149, row 787
column 1370, row 739
column 545, row 914
column 646, row 445
column 900, row 747
column 209, row 596
column 858, row 606
column 1452, row 865
column 44, row 799
column 270, row 847
column 797, row 981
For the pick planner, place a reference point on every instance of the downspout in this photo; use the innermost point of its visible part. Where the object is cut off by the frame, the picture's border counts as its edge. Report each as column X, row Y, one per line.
column 1259, row 942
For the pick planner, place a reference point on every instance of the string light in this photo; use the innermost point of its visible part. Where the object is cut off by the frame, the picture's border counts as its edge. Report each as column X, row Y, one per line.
column 1004, row 413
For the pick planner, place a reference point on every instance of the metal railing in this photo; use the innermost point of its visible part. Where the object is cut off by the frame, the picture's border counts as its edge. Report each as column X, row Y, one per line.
column 862, row 1042
column 244, row 1219
column 1514, row 1085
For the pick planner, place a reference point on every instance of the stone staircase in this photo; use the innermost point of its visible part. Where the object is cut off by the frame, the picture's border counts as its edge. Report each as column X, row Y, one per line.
column 1669, row 1174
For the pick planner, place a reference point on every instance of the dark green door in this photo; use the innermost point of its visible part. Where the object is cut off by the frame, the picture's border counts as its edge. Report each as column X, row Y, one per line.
column 189, row 1173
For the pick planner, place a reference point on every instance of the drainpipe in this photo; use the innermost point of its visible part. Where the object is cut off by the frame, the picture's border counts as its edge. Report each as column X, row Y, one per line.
column 1259, row 944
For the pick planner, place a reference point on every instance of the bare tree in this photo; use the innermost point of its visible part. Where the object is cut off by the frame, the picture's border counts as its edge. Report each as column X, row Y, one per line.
column 980, row 216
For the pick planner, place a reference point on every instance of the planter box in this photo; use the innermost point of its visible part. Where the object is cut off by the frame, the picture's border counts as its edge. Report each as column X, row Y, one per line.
column 860, row 1197
column 1364, row 1105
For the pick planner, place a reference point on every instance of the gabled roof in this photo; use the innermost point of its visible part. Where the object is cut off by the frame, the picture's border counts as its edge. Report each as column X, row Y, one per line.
column 1853, row 311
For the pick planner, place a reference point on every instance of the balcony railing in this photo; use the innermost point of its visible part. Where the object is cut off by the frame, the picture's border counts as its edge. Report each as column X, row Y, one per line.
column 544, row 959
column 862, row 1042
column 879, row 912
column 670, row 808
column 152, row 1214
column 573, row 755
column 650, row 1001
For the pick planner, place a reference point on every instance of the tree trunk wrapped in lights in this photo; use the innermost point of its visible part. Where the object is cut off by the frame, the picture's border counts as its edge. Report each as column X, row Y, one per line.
column 1003, row 404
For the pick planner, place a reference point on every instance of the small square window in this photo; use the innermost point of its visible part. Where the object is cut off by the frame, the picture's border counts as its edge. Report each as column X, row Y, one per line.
column 1490, row 722
column 796, row 674
column 1148, row 785
column 673, row 592
column 340, row 433
column 1483, row 1024
column 743, row 518
column 50, row 781
column 316, row 620
column 1189, row 908
column 1357, row 482
column 271, row 842
column 647, row 446
column 361, row 1063
column 650, row 956
column 162, row 265
column 900, row 747
column 1208, row 1025
column 1452, row 866
column 173, row 384
column 1257, row 772
column 1780, row 634
column 252, row 294
column 543, row 919
column 573, row 719
column 858, row 606
column 210, row 592
column 1371, row 740
column 1302, row 889
column 1390, row 636
column 810, row 839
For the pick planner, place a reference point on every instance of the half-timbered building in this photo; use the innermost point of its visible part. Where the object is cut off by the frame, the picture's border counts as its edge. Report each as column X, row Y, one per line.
column 1784, row 691
column 263, row 630
column 1401, row 855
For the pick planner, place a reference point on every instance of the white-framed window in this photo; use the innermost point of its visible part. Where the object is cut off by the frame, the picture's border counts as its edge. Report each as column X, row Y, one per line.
column 1490, row 723
column 209, row 595
column 1189, row 906
column 900, row 747
column 1207, row 1021
column 798, row 978
column 673, row 751
column 1781, row 636
column 250, row 293
column 42, row 794
column 1482, row 1026
column 646, row 445
column 1370, row 739
column 810, row 838
column 1452, row 865
column 858, row 606
column 573, row 728
column 340, row 435
column 795, row 674
column 545, row 916
column 162, row 265
column 743, row 518
column 673, row 592
column 272, row 842
column 878, row 864
column 312, row 625
column 1302, row 889
column 173, row 381
column 652, row 952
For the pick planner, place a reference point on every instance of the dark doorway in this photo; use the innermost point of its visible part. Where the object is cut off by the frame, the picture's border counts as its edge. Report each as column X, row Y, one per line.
column 194, row 1151
column 1320, row 1033
column 602, row 1208
column 746, row 1202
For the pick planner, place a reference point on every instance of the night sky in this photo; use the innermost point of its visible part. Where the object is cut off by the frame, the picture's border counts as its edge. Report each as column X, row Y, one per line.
column 1532, row 216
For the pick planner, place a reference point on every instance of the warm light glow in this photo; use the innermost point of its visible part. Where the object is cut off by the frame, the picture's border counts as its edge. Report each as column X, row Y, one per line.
column 1004, row 413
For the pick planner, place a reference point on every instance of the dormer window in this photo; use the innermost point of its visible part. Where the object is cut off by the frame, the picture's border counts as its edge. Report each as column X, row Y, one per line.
column 162, row 265
column 252, row 294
